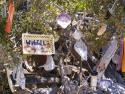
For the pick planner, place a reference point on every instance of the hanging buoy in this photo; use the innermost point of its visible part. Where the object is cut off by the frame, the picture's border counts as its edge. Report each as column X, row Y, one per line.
column 10, row 16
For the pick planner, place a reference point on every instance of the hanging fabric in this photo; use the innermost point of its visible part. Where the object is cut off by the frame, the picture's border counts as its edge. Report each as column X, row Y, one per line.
column 123, row 57
column 10, row 16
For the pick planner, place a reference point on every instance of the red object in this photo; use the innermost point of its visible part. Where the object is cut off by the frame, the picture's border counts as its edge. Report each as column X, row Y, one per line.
column 10, row 16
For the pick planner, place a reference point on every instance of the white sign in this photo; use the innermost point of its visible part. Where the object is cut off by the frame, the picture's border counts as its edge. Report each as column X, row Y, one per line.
column 38, row 44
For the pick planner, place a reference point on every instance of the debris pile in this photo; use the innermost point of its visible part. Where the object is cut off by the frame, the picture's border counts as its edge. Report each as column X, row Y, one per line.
column 66, row 65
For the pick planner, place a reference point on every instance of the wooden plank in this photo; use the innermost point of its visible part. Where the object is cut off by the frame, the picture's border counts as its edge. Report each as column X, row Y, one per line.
column 106, row 58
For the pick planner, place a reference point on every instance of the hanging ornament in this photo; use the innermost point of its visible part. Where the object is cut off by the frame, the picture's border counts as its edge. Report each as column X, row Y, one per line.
column 63, row 20
column 10, row 16
column 50, row 64
column 102, row 29
column 77, row 35
column 94, row 81
column 104, row 84
column 111, row 10
column 108, row 15
column 81, row 48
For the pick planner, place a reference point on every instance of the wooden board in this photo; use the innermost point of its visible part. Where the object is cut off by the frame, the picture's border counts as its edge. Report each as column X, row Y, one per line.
column 106, row 58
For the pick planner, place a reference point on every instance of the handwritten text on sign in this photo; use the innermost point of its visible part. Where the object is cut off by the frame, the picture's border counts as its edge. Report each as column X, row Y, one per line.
column 38, row 44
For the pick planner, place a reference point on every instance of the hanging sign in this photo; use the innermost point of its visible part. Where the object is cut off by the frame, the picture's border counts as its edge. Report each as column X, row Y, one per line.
column 38, row 44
